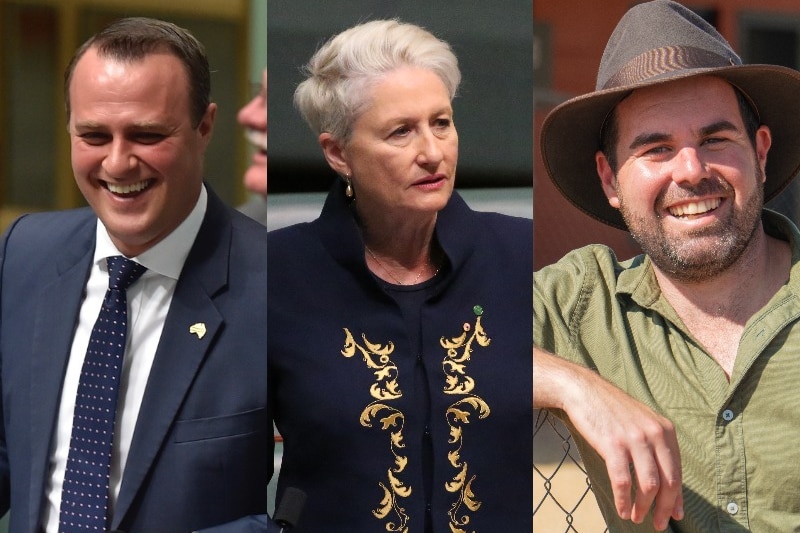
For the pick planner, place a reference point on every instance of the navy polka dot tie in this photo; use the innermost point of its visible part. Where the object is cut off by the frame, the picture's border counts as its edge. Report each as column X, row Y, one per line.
column 84, row 500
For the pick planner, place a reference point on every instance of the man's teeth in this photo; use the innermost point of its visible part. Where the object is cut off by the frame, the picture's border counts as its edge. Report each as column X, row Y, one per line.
column 695, row 208
column 127, row 189
column 256, row 138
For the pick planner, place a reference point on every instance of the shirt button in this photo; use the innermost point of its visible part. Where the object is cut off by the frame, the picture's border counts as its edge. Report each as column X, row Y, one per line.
column 732, row 508
column 727, row 415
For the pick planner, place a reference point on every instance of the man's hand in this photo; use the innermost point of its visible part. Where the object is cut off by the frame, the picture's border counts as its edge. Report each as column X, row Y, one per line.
column 639, row 446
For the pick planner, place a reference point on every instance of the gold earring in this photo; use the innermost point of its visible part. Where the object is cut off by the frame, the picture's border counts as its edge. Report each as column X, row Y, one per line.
column 348, row 191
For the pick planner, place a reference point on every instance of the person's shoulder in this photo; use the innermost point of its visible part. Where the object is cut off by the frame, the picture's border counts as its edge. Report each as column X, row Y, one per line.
column 51, row 227
column 293, row 244
column 70, row 217
column 289, row 234
column 503, row 219
column 35, row 242
column 512, row 224
column 249, row 226
column 593, row 261
column 588, row 274
column 504, row 226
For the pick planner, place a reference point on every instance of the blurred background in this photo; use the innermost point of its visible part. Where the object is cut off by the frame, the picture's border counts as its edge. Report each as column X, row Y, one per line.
column 38, row 40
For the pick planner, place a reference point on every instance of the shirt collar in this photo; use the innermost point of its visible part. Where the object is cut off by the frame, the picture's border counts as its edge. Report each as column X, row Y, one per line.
column 168, row 255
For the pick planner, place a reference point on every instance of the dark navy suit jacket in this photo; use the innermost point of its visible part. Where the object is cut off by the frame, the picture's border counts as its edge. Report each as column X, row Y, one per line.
column 198, row 456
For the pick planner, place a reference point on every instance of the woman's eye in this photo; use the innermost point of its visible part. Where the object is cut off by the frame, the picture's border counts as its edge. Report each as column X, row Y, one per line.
column 401, row 131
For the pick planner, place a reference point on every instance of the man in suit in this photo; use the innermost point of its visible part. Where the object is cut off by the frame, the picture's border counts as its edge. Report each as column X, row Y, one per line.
column 190, row 430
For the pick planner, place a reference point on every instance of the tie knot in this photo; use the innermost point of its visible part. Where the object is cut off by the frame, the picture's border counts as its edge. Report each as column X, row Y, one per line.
column 122, row 272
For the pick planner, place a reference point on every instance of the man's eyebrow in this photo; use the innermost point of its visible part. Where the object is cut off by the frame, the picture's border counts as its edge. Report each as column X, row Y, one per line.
column 648, row 138
column 87, row 125
column 716, row 127
column 137, row 126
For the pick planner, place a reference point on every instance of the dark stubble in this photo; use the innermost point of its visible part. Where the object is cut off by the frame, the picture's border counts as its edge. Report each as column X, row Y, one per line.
column 686, row 258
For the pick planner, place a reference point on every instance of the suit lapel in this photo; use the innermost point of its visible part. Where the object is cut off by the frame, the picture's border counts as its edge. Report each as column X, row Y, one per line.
column 180, row 352
column 51, row 344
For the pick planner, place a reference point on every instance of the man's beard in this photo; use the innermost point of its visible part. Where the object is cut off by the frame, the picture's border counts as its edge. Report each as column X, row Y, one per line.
column 685, row 259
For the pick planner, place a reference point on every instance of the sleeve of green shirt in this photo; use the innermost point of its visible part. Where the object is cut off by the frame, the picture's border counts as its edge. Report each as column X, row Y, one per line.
column 576, row 316
column 564, row 292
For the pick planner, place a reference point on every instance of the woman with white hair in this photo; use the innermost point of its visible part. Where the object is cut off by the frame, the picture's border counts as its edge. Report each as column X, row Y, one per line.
column 399, row 321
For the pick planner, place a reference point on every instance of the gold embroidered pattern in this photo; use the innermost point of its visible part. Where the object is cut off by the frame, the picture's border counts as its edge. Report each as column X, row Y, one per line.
column 385, row 389
column 458, row 383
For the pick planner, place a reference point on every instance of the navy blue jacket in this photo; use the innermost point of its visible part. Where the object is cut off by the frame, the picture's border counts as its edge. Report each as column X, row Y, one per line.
column 370, row 420
column 198, row 456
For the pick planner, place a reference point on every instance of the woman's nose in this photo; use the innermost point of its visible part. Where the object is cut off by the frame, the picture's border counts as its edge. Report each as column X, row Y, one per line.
column 429, row 150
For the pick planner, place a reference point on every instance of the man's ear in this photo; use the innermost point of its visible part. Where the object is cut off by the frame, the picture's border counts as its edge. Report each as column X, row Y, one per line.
column 763, row 143
column 206, row 126
column 607, row 178
column 334, row 152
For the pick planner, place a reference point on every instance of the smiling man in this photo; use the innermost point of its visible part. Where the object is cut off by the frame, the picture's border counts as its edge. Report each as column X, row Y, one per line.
column 675, row 370
column 137, row 148
column 160, row 286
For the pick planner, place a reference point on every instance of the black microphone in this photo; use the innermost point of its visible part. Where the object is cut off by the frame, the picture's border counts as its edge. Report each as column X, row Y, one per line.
column 288, row 511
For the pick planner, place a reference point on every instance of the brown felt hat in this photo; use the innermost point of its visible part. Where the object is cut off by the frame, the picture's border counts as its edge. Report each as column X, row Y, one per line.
column 653, row 43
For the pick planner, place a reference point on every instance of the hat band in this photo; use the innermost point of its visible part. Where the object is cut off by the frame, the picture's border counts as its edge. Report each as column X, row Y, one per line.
column 664, row 60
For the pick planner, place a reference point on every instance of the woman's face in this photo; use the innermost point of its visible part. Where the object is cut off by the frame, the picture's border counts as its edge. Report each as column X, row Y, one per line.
column 403, row 149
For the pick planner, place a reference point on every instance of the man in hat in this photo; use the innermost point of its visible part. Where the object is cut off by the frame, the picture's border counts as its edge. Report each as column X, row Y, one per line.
column 693, row 345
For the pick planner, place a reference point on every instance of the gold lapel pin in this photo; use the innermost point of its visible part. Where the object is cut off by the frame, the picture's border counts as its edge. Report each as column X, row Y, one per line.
column 198, row 329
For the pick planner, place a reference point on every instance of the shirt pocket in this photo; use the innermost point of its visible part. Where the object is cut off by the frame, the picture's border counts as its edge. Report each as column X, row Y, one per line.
column 218, row 427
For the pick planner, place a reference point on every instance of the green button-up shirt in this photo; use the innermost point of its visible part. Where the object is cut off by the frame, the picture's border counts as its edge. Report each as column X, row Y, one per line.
column 739, row 440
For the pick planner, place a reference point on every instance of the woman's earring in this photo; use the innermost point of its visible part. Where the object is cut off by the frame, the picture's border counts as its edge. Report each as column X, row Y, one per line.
column 348, row 190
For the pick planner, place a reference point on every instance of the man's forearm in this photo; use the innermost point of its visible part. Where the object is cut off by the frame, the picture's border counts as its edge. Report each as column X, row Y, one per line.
column 553, row 379
column 627, row 434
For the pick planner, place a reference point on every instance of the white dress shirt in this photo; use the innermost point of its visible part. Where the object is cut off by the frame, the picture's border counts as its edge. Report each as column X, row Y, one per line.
column 148, row 302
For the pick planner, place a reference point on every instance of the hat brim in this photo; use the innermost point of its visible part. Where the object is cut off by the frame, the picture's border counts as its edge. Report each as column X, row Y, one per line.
column 570, row 134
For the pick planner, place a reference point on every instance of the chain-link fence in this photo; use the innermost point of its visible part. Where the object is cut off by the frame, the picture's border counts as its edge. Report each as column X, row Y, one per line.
column 562, row 494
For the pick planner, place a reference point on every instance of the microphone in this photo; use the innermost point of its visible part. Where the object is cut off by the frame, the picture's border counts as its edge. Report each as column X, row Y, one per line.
column 288, row 511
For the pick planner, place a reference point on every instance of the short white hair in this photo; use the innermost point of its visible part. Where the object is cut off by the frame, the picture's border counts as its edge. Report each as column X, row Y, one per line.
column 336, row 89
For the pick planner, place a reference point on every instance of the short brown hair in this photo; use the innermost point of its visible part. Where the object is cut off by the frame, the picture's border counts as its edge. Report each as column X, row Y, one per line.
column 133, row 38
column 609, row 132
